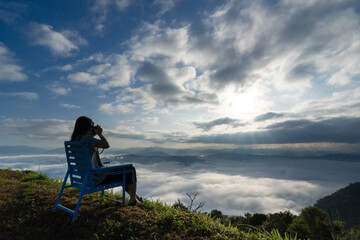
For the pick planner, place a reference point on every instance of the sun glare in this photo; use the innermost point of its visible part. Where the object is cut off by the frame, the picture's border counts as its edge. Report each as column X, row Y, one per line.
column 244, row 105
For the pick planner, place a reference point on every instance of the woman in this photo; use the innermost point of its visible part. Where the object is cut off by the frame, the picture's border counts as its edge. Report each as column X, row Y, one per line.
column 84, row 130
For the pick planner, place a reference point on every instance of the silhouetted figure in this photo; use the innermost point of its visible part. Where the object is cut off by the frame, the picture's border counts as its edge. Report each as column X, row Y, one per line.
column 85, row 130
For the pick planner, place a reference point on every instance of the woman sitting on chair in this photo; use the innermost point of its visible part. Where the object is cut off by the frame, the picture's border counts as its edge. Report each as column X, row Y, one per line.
column 85, row 130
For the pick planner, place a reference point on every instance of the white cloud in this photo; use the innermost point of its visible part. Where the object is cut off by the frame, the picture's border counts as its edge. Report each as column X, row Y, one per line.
column 342, row 55
column 342, row 103
column 131, row 98
column 238, row 186
column 154, row 40
column 256, row 195
column 63, row 68
column 74, row 37
column 139, row 96
column 57, row 89
column 25, row 95
column 339, row 79
column 59, row 43
column 114, row 72
column 66, row 67
column 82, row 77
column 288, row 43
column 69, row 106
column 110, row 72
column 147, row 120
column 9, row 71
column 122, row 4
column 97, row 57
column 111, row 108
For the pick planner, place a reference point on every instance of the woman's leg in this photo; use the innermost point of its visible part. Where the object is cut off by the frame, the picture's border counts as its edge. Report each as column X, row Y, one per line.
column 131, row 190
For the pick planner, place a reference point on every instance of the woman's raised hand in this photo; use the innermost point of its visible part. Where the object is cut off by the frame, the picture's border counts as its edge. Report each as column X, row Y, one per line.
column 98, row 130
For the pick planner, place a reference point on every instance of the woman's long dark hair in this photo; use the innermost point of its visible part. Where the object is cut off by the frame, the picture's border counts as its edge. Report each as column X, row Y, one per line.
column 82, row 126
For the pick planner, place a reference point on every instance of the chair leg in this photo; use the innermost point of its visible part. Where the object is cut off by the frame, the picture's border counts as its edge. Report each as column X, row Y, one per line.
column 61, row 190
column 80, row 198
column 102, row 193
column 108, row 198
column 123, row 187
column 77, row 207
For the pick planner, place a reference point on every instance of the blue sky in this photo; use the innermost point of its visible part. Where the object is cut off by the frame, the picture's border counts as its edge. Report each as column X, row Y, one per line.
column 181, row 73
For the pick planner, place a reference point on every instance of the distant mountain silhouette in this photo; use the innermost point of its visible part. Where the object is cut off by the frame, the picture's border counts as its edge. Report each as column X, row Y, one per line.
column 212, row 153
column 344, row 205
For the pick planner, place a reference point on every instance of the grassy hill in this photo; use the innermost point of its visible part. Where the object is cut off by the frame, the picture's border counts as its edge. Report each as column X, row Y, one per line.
column 27, row 199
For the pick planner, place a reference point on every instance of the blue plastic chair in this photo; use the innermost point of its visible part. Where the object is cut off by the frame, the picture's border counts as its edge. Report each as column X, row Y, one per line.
column 81, row 175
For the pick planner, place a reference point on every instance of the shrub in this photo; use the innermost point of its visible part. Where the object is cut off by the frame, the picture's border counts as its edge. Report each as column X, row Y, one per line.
column 311, row 223
column 31, row 176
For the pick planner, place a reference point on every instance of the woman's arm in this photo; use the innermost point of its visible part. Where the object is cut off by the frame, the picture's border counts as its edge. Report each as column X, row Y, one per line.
column 103, row 143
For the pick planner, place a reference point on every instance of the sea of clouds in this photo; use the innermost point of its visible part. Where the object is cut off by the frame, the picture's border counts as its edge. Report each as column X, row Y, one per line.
column 233, row 186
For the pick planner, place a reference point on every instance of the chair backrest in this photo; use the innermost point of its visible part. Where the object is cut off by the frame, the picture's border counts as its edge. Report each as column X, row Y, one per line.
column 78, row 159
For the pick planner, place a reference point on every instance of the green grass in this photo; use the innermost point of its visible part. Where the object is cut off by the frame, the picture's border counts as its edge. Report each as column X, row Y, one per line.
column 27, row 199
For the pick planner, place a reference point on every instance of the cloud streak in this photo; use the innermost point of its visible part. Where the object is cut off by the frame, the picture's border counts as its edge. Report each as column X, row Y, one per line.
column 25, row 95
column 69, row 106
column 206, row 126
column 38, row 128
column 9, row 71
column 268, row 116
column 338, row 130
column 62, row 44
column 11, row 12
column 342, row 130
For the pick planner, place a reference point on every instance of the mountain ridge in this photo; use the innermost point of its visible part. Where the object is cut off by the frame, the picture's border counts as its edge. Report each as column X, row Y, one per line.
column 343, row 204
